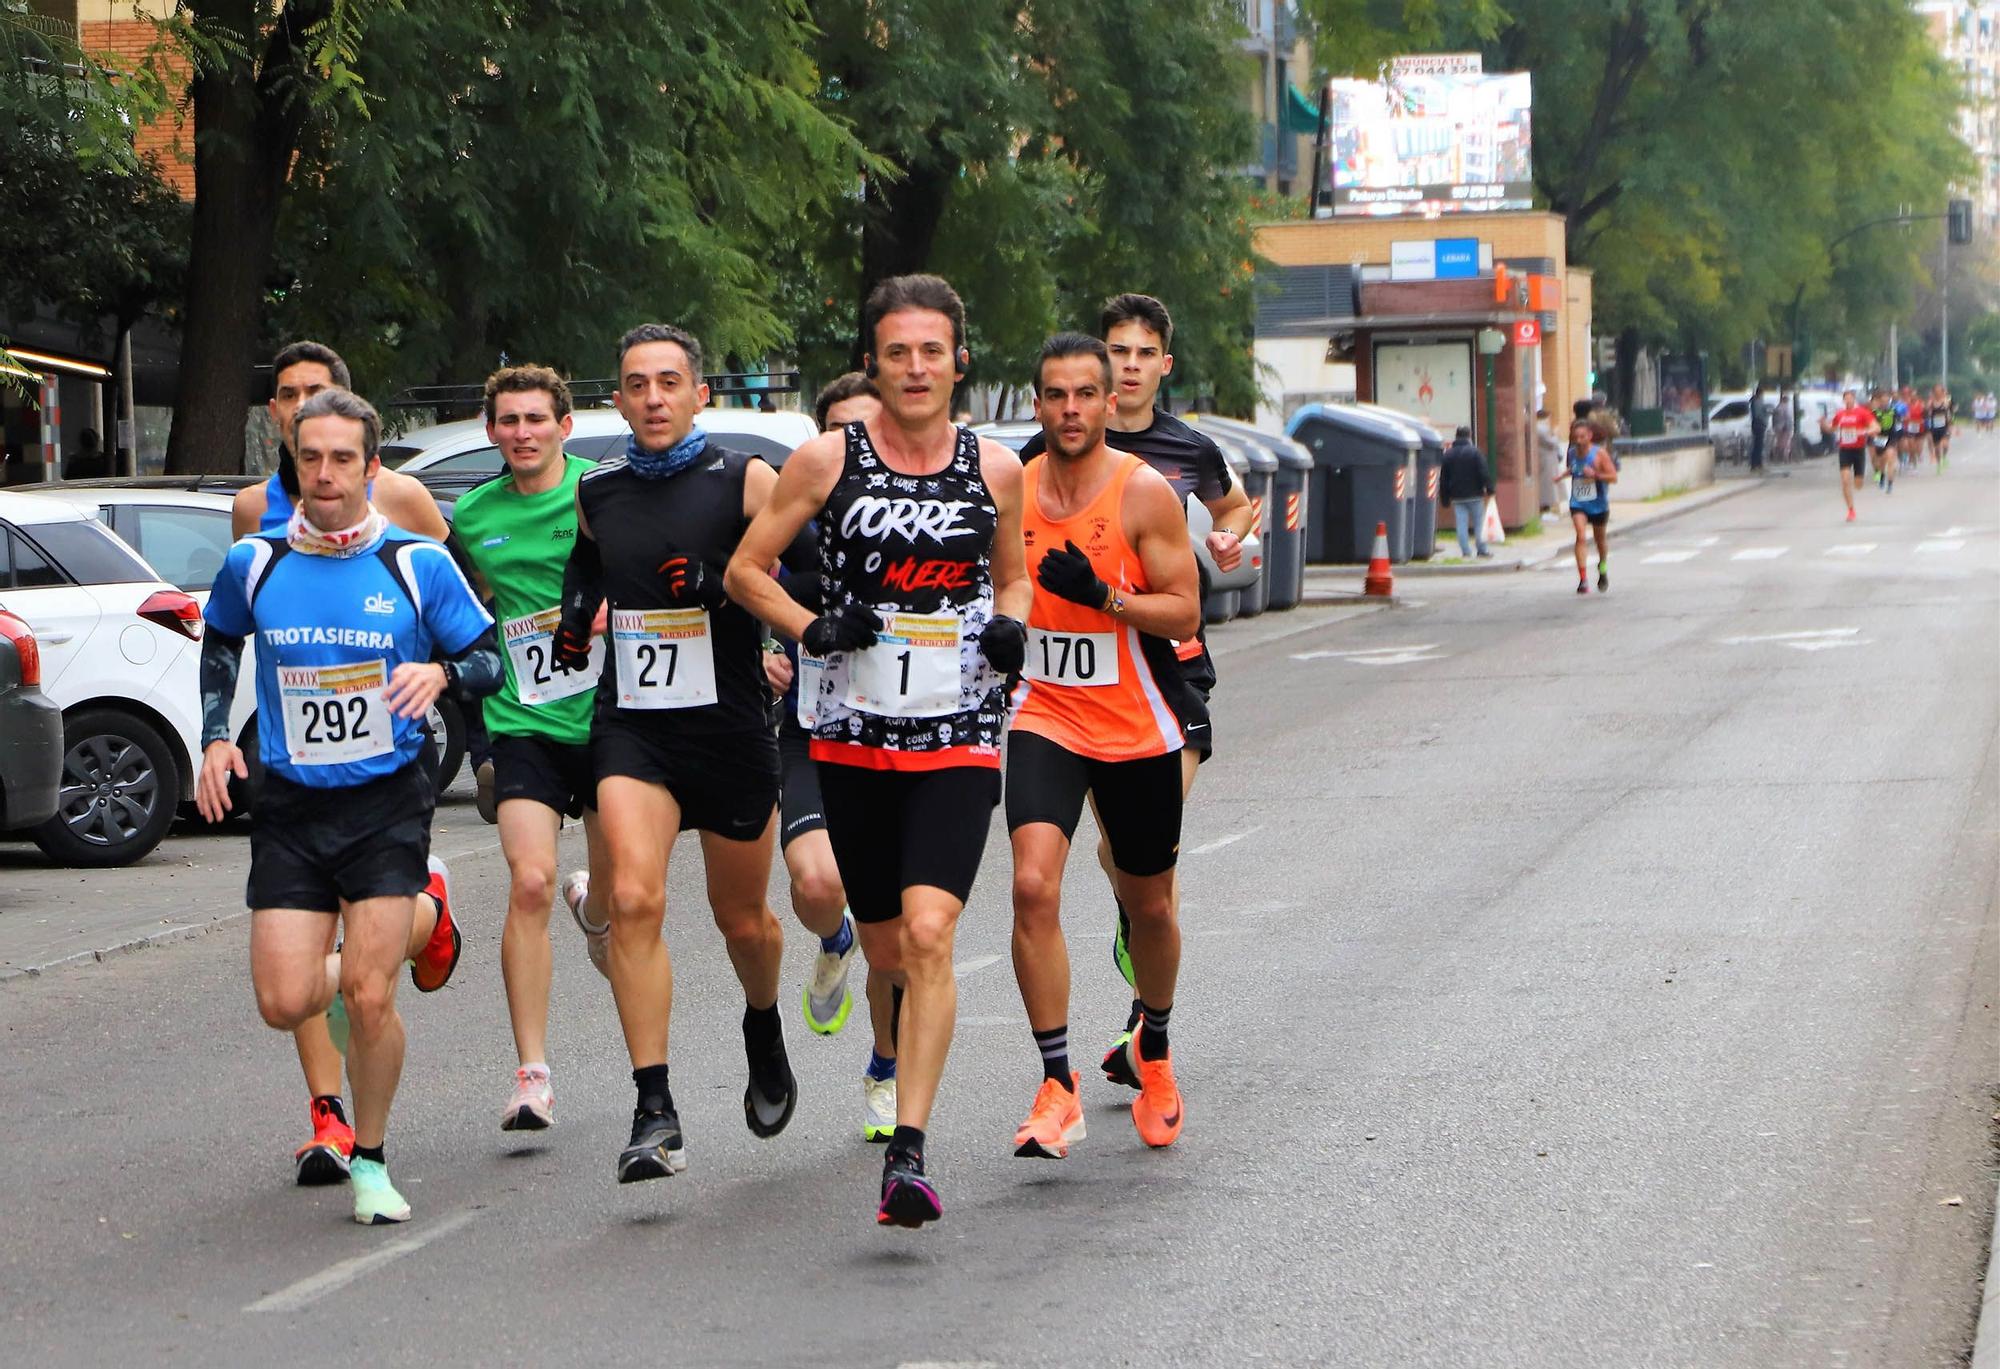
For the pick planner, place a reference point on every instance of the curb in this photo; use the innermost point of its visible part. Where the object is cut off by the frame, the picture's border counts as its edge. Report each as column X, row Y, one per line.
column 165, row 937
column 1986, row 1337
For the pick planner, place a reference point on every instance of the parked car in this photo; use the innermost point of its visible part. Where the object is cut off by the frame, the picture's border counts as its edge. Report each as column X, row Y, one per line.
column 462, row 448
column 180, row 525
column 31, row 732
column 1729, row 419
column 119, row 651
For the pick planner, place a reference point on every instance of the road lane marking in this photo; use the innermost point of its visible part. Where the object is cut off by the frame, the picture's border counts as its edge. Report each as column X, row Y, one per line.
column 1377, row 655
column 1954, row 531
column 1668, row 557
column 1842, row 635
column 1209, row 847
column 1851, row 549
column 977, row 963
column 337, row 1276
column 1760, row 553
column 1935, row 545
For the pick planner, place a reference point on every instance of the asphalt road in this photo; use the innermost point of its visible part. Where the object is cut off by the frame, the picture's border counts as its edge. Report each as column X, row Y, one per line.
column 1569, row 981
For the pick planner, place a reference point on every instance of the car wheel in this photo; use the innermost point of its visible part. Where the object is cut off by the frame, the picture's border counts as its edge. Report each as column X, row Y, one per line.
column 120, row 788
column 447, row 726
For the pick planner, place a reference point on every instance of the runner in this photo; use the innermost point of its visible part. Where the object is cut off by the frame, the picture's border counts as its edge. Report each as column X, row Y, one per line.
column 925, row 593
column 1882, row 440
column 682, row 735
column 1912, row 444
column 347, row 610
column 1937, row 414
column 819, row 899
column 1590, row 471
column 517, row 531
column 1851, row 427
column 299, row 371
column 1139, row 332
column 1115, row 583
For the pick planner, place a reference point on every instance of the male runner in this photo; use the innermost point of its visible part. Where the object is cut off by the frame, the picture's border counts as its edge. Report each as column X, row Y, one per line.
column 518, row 531
column 682, row 734
column 925, row 592
column 1851, row 428
column 347, row 610
column 1140, row 333
column 1913, row 426
column 1882, row 441
column 1591, row 470
column 818, row 896
column 1107, row 543
column 299, row 371
column 1937, row 415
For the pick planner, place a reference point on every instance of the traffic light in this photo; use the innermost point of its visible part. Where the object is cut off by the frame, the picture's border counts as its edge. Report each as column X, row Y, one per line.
column 1959, row 216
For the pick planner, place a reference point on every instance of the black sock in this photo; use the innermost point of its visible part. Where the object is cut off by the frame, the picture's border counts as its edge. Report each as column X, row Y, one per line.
column 761, row 1028
column 907, row 1141
column 332, row 1101
column 370, row 1153
column 1132, row 1018
column 654, row 1095
column 1153, row 1031
column 1055, row 1053
column 895, row 1013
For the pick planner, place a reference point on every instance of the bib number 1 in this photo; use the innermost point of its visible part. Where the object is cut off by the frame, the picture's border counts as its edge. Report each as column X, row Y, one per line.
column 912, row 671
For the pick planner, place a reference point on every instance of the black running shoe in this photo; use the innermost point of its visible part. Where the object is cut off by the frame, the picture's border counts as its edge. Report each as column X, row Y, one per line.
column 772, row 1093
column 656, row 1151
column 1603, row 581
column 907, row 1196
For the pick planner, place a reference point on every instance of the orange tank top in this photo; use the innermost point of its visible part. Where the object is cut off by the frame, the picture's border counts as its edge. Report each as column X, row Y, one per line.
column 1091, row 682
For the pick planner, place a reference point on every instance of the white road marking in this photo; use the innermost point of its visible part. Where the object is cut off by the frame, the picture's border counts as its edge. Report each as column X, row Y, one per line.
column 1360, row 653
column 1210, row 846
column 1667, row 557
column 1954, row 531
column 338, row 1276
column 1760, row 553
column 1851, row 549
column 977, row 963
column 1817, row 634
column 1936, row 545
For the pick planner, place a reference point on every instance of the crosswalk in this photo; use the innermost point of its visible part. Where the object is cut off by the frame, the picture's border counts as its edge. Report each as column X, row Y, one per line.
column 1671, row 551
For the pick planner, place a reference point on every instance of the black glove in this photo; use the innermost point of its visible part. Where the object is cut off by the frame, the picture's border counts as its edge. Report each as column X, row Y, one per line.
column 690, row 584
column 1004, row 643
column 848, row 628
column 582, row 592
column 1068, row 574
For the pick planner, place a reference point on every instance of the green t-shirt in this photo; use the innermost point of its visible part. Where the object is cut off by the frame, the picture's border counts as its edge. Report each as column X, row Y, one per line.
column 520, row 543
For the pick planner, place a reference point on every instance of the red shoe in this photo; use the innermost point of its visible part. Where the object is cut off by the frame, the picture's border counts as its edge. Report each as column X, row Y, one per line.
column 1053, row 1122
column 323, row 1160
column 1157, row 1111
column 1850, row 515
column 432, row 968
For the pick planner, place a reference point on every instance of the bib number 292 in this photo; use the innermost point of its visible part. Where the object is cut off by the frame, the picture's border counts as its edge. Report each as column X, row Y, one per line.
column 333, row 721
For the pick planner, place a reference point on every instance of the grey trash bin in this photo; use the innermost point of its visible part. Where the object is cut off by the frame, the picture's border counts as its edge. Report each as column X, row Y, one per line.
column 1257, row 483
column 1365, row 467
column 1424, row 497
column 1282, row 524
column 1220, row 605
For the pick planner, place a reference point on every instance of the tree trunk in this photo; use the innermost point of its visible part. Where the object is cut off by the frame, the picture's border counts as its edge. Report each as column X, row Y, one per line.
column 898, row 229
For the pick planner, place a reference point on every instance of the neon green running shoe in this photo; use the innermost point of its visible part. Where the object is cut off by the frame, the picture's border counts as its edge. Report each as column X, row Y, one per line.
column 827, row 998
column 376, row 1202
column 336, row 1023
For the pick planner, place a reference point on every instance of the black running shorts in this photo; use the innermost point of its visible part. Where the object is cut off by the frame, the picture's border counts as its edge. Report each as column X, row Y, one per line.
column 726, row 783
column 897, row 829
column 1191, row 705
column 800, row 808
column 319, row 848
column 1138, row 802
column 558, row 775
column 1854, row 459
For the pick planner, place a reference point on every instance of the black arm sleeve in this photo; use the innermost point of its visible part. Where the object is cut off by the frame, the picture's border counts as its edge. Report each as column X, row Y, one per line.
column 221, row 661
column 476, row 671
column 582, row 591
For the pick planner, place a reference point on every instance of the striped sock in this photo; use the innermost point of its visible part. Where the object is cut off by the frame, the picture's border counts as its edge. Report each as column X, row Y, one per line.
column 1055, row 1053
column 1153, row 1031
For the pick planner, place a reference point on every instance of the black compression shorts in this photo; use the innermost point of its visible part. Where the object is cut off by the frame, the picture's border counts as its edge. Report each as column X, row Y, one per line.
column 897, row 829
column 316, row 848
column 1191, row 705
column 558, row 775
column 800, row 808
column 726, row 783
column 1854, row 459
column 1138, row 802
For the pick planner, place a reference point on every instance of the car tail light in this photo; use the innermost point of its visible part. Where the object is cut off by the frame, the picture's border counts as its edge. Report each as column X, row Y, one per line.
column 13, row 630
column 172, row 609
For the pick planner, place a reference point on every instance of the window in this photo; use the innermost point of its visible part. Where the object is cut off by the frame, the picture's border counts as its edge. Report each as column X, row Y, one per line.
column 396, row 455
column 1735, row 408
column 478, row 461
column 25, row 567
column 185, row 546
column 84, row 550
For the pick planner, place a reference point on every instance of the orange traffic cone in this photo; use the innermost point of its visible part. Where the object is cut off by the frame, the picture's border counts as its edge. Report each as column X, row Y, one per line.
column 1379, row 581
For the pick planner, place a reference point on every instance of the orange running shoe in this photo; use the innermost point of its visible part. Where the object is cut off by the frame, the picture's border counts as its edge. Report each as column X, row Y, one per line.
column 1157, row 1111
column 432, row 968
column 323, row 1160
column 1053, row 1122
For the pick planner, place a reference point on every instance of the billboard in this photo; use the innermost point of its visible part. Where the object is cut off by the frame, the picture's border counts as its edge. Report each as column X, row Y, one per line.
column 1430, row 142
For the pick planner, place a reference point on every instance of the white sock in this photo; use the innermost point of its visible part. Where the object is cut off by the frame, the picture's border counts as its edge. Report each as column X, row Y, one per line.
column 540, row 1067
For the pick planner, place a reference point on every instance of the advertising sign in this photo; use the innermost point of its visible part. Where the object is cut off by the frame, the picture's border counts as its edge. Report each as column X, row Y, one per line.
column 1435, row 259
column 1427, row 380
column 1528, row 332
column 1431, row 143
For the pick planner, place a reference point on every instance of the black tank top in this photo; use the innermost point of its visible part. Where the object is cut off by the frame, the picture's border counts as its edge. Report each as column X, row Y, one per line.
column 660, row 658
column 918, row 546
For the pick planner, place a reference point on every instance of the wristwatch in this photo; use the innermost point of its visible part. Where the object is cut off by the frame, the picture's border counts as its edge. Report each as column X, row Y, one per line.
column 1114, row 602
column 450, row 677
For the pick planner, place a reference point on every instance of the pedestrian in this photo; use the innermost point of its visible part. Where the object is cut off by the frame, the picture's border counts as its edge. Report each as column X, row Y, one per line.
column 1466, row 483
column 88, row 463
column 1549, row 450
column 1760, row 422
column 1782, row 426
column 1591, row 469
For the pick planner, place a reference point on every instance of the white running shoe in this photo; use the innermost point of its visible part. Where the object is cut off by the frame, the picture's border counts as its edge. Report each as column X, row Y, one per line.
column 878, row 1108
column 533, row 1106
column 597, row 939
column 827, row 1000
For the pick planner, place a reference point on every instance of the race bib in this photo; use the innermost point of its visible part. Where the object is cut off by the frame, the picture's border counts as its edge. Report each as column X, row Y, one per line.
column 1582, row 491
column 811, row 670
column 538, row 677
column 335, row 713
column 910, row 672
column 665, row 657
column 1084, row 659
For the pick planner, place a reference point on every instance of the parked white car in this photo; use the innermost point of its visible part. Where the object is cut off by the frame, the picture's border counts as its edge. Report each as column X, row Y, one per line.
column 120, row 652
column 463, row 447
column 1729, row 417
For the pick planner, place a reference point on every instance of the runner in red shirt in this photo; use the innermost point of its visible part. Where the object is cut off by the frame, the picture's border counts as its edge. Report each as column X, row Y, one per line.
column 1851, row 427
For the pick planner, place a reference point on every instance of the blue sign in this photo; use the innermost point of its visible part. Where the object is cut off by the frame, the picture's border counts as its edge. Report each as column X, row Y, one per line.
column 1457, row 258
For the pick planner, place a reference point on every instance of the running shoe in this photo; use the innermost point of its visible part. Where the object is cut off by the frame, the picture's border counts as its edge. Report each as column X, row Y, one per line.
column 908, row 1199
column 376, row 1202
column 772, row 1093
column 827, row 999
column 878, row 1108
column 596, row 939
column 484, row 797
column 1583, row 586
column 656, row 1150
column 1053, row 1122
column 432, row 968
column 1850, row 515
column 324, row 1159
column 533, row 1106
column 1118, row 1066
column 1157, row 1111
column 1603, row 579
column 1121, row 951
column 337, row 1025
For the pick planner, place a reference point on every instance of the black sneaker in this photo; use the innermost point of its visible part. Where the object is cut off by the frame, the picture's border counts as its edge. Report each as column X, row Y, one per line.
column 656, row 1151
column 772, row 1093
column 1603, row 580
column 1583, row 587
column 907, row 1196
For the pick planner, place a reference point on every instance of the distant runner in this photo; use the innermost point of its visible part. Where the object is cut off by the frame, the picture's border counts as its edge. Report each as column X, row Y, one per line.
column 1591, row 473
column 1851, row 428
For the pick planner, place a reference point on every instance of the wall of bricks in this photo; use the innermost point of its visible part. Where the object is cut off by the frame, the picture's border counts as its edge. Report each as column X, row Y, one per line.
column 124, row 44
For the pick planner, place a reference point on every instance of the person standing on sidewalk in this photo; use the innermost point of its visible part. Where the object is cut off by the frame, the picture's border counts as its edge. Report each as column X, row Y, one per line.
column 1591, row 471
column 1760, row 422
column 1466, row 483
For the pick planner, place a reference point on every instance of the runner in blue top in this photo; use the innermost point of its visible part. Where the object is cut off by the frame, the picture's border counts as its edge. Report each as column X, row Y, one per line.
column 1591, row 473
column 347, row 613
